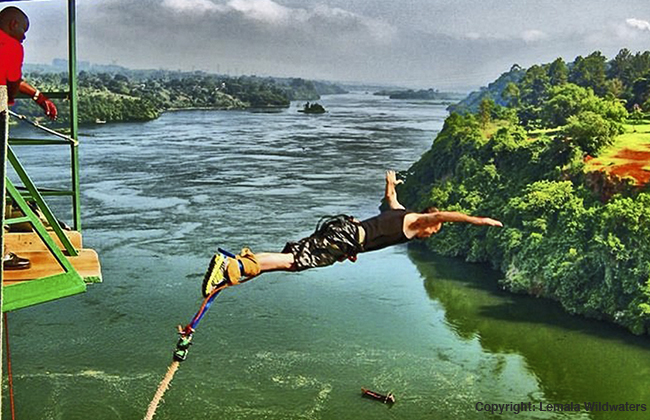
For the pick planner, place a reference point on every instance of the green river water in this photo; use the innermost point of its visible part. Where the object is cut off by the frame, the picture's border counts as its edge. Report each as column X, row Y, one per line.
column 159, row 197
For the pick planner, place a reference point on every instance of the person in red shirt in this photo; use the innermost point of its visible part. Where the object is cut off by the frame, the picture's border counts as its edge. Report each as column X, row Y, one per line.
column 14, row 23
column 13, row 26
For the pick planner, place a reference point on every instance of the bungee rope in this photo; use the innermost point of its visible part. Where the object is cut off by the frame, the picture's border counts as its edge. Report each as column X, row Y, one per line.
column 164, row 385
column 184, row 343
column 182, row 348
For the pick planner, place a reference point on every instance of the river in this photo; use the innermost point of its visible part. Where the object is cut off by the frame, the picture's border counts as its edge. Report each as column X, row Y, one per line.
column 159, row 197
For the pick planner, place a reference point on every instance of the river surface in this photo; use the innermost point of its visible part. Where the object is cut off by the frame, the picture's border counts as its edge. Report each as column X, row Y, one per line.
column 159, row 197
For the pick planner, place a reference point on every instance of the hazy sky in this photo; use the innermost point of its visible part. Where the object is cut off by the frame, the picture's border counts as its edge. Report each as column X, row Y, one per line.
column 420, row 43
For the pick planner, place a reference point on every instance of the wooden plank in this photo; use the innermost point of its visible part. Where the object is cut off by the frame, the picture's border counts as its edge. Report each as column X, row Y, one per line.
column 43, row 264
column 20, row 242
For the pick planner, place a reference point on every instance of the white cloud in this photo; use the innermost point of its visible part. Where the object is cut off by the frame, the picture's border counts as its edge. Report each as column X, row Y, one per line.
column 192, row 6
column 530, row 35
column 533, row 35
column 632, row 30
column 264, row 10
column 318, row 18
column 642, row 25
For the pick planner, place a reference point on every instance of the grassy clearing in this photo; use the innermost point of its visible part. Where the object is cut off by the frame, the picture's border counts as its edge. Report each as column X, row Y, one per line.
column 628, row 156
column 493, row 126
column 533, row 134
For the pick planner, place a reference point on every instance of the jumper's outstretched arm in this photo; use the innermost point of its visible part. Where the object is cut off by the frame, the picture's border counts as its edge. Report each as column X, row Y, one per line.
column 433, row 219
column 390, row 194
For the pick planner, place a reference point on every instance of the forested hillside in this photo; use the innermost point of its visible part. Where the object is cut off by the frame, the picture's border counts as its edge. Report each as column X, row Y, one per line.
column 524, row 163
column 138, row 96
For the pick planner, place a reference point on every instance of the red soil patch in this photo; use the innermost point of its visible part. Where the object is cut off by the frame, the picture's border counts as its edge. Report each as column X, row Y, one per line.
column 636, row 160
column 634, row 170
column 630, row 154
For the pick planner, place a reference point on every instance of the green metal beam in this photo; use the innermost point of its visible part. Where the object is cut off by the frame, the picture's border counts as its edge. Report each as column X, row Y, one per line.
column 42, row 205
column 4, row 123
column 51, row 95
column 74, row 149
column 58, row 95
column 17, row 220
column 33, row 292
column 39, row 228
column 36, row 142
column 53, row 193
column 57, row 193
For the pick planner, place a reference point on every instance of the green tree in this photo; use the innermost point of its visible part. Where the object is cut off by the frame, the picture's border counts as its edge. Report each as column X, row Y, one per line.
column 615, row 88
column 621, row 66
column 511, row 95
column 591, row 131
column 565, row 101
column 570, row 99
column 486, row 110
column 534, row 85
column 558, row 72
column 590, row 72
column 640, row 91
column 628, row 67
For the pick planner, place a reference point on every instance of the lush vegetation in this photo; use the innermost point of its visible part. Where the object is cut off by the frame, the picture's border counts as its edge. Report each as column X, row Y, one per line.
column 428, row 94
column 137, row 96
column 520, row 157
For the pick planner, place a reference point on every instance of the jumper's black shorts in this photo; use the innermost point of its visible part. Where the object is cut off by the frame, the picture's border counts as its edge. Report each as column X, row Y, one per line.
column 335, row 239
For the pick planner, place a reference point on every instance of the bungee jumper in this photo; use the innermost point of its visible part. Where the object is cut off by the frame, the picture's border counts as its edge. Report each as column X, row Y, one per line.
column 337, row 238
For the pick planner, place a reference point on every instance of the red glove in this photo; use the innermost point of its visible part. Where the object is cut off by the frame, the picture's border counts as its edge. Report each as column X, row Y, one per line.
column 47, row 105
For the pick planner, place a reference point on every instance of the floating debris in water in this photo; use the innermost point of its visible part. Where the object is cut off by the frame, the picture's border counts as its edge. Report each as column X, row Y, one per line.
column 386, row 399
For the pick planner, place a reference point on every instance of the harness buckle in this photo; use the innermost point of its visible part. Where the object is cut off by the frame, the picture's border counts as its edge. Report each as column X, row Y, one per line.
column 184, row 343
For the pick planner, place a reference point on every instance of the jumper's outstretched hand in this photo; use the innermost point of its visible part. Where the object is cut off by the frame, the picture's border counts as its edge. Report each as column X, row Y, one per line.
column 486, row 221
column 391, row 178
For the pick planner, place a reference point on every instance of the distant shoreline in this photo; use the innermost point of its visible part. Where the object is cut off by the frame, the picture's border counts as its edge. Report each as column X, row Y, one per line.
column 207, row 108
column 202, row 108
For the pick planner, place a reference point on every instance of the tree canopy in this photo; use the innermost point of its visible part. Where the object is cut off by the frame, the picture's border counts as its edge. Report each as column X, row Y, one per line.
column 137, row 96
column 561, row 238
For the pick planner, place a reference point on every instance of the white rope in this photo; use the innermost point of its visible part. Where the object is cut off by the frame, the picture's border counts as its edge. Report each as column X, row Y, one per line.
column 164, row 385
